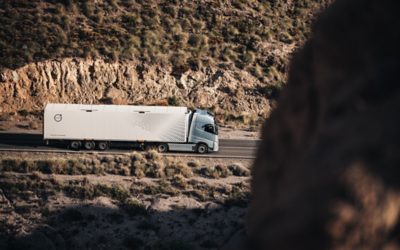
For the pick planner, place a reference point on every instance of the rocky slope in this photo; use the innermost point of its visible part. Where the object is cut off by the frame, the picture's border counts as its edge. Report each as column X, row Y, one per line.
column 229, row 56
column 97, row 81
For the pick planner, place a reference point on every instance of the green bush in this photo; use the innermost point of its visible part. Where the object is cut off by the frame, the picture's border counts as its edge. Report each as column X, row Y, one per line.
column 173, row 101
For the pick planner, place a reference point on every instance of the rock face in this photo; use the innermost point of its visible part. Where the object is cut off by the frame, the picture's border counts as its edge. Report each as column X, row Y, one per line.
column 128, row 82
column 327, row 174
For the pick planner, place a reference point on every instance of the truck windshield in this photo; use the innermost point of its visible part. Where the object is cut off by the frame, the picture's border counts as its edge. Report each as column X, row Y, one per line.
column 210, row 128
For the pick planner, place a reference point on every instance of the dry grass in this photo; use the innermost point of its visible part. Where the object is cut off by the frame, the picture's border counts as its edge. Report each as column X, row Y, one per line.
column 154, row 31
column 62, row 192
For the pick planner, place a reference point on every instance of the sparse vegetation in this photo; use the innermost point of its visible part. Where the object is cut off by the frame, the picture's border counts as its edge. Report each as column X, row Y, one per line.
column 134, row 207
column 74, row 193
column 155, row 31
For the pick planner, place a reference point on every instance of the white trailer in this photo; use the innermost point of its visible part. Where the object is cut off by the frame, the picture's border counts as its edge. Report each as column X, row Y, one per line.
column 167, row 128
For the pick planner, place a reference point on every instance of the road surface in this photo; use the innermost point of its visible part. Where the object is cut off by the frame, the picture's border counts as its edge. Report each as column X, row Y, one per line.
column 24, row 142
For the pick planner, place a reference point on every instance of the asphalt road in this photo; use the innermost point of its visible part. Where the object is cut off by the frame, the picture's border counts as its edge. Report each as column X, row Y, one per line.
column 24, row 142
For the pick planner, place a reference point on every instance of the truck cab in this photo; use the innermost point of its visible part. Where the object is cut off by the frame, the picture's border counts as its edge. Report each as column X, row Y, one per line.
column 203, row 131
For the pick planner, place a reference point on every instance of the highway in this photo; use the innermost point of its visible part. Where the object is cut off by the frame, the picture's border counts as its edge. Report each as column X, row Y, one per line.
column 29, row 142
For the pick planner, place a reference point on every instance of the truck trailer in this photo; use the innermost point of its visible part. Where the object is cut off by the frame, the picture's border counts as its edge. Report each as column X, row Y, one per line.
column 90, row 127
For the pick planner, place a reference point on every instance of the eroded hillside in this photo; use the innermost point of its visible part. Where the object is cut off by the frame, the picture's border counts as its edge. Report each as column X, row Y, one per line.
column 230, row 56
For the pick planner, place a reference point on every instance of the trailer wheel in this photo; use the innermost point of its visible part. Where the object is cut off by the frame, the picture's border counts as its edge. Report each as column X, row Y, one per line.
column 202, row 148
column 75, row 145
column 89, row 145
column 102, row 145
column 162, row 148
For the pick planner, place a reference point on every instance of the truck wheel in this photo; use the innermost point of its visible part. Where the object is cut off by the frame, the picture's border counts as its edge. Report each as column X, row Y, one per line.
column 89, row 145
column 102, row 145
column 202, row 148
column 75, row 145
column 162, row 148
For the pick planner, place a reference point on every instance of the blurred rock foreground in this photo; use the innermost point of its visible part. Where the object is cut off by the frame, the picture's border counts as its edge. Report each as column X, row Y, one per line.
column 327, row 174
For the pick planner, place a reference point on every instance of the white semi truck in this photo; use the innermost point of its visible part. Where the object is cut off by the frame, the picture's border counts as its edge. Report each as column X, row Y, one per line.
column 100, row 126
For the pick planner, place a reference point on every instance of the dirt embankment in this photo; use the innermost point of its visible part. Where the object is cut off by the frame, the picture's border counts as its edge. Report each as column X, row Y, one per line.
column 131, row 201
column 229, row 93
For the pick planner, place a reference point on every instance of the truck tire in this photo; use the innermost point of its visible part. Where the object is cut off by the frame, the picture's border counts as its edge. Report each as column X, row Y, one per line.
column 89, row 145
column 102, row 145
column 75, row 145
column 202, row 148
column 162, row 148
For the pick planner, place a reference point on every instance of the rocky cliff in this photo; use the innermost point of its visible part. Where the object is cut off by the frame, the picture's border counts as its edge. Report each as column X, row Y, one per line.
column 91, row 81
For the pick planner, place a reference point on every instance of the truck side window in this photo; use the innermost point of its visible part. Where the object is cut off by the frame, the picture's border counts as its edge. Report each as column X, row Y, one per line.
column 209, row 128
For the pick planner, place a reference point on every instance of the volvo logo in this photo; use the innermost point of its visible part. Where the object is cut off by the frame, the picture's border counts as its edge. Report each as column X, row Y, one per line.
column 57, row 117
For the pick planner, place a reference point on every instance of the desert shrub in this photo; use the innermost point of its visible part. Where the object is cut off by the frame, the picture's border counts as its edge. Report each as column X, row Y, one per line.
column 88, row 8
column 218, row 171
column 170, row 10
column 179, row 181
column 9, row 164
column 173, row 101
column 45, row 166
column 75, row 166
column 134, row 207
column 228, row 54
column 125, row 171
column 179, row 62
column 152, row 155
column 26, row 166
column 115, row 192
column 195, row 63
column 239, row 170
column 136, row 156
column 257, row 71
column 80, row 192
column 193, row 163
column 23, row 112
column 176, row 168
column 162, row 187
column 140, row 166
column 237, row 197
column 248, row 57
column 138, row 169
column 181, row 38
column 154, row 169
column 198, row 41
